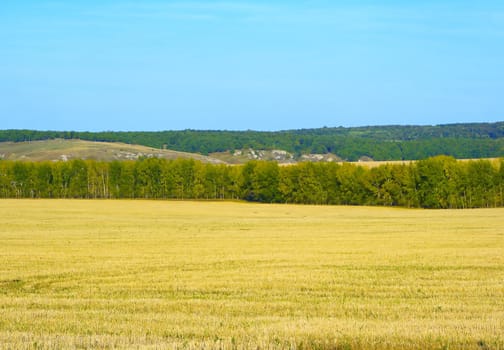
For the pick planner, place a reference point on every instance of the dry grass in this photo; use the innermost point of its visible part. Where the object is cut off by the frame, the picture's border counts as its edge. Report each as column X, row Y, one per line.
column 79, row 149
column 157, row 274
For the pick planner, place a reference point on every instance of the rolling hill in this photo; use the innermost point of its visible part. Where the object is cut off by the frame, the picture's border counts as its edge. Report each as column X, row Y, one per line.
column 60, row 149
column 393, row 142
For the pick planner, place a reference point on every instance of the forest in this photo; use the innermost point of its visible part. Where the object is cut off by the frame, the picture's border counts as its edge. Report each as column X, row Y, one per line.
column 437, row 182
column 471, row 140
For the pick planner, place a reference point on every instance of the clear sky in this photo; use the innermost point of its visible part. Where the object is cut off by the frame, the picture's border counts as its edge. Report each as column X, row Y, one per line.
column 263, row 65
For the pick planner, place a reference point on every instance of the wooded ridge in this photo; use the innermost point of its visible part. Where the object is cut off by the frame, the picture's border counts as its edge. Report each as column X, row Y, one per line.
column 395, row 142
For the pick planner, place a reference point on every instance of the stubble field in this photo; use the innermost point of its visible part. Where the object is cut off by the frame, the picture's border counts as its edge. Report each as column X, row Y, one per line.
column 161, row 274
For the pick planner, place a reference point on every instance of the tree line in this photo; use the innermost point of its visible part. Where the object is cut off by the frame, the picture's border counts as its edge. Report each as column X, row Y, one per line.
column 438, row 182
column 471, row 140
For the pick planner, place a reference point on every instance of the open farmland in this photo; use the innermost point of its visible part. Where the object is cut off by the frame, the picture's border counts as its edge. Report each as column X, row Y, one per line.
column 164, row 274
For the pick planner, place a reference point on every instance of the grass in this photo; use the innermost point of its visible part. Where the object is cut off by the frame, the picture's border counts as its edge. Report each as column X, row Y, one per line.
column 50, row 150
column 159, row 274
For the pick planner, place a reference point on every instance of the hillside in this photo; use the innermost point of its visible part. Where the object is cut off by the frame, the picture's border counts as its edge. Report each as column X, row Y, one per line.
column 470, row 140
column 59, row 149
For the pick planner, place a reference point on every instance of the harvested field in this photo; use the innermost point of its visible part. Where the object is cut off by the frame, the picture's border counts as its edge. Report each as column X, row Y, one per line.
column 163, row 274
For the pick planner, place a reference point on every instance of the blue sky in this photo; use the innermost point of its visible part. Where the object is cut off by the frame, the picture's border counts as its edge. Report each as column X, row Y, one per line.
column 236, row 65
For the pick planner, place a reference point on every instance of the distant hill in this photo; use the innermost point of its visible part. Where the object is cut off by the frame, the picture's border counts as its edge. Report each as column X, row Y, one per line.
column 60, row 149
column 393, row 142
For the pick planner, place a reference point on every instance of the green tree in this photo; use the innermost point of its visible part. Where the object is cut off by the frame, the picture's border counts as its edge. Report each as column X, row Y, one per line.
column 23, row 179
column 309, row 189
column 148, row 178
column 481, row 189
column 6, row 179
column 61, row 179
column 499, row 184
column 44, row 180
column 98, row 179
column 437, row 182
column 352, row 189
column 383, row 185
column 78, row 179
column 261, row 181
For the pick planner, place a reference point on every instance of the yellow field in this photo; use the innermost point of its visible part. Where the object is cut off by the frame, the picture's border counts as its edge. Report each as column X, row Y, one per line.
column 159, row 274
